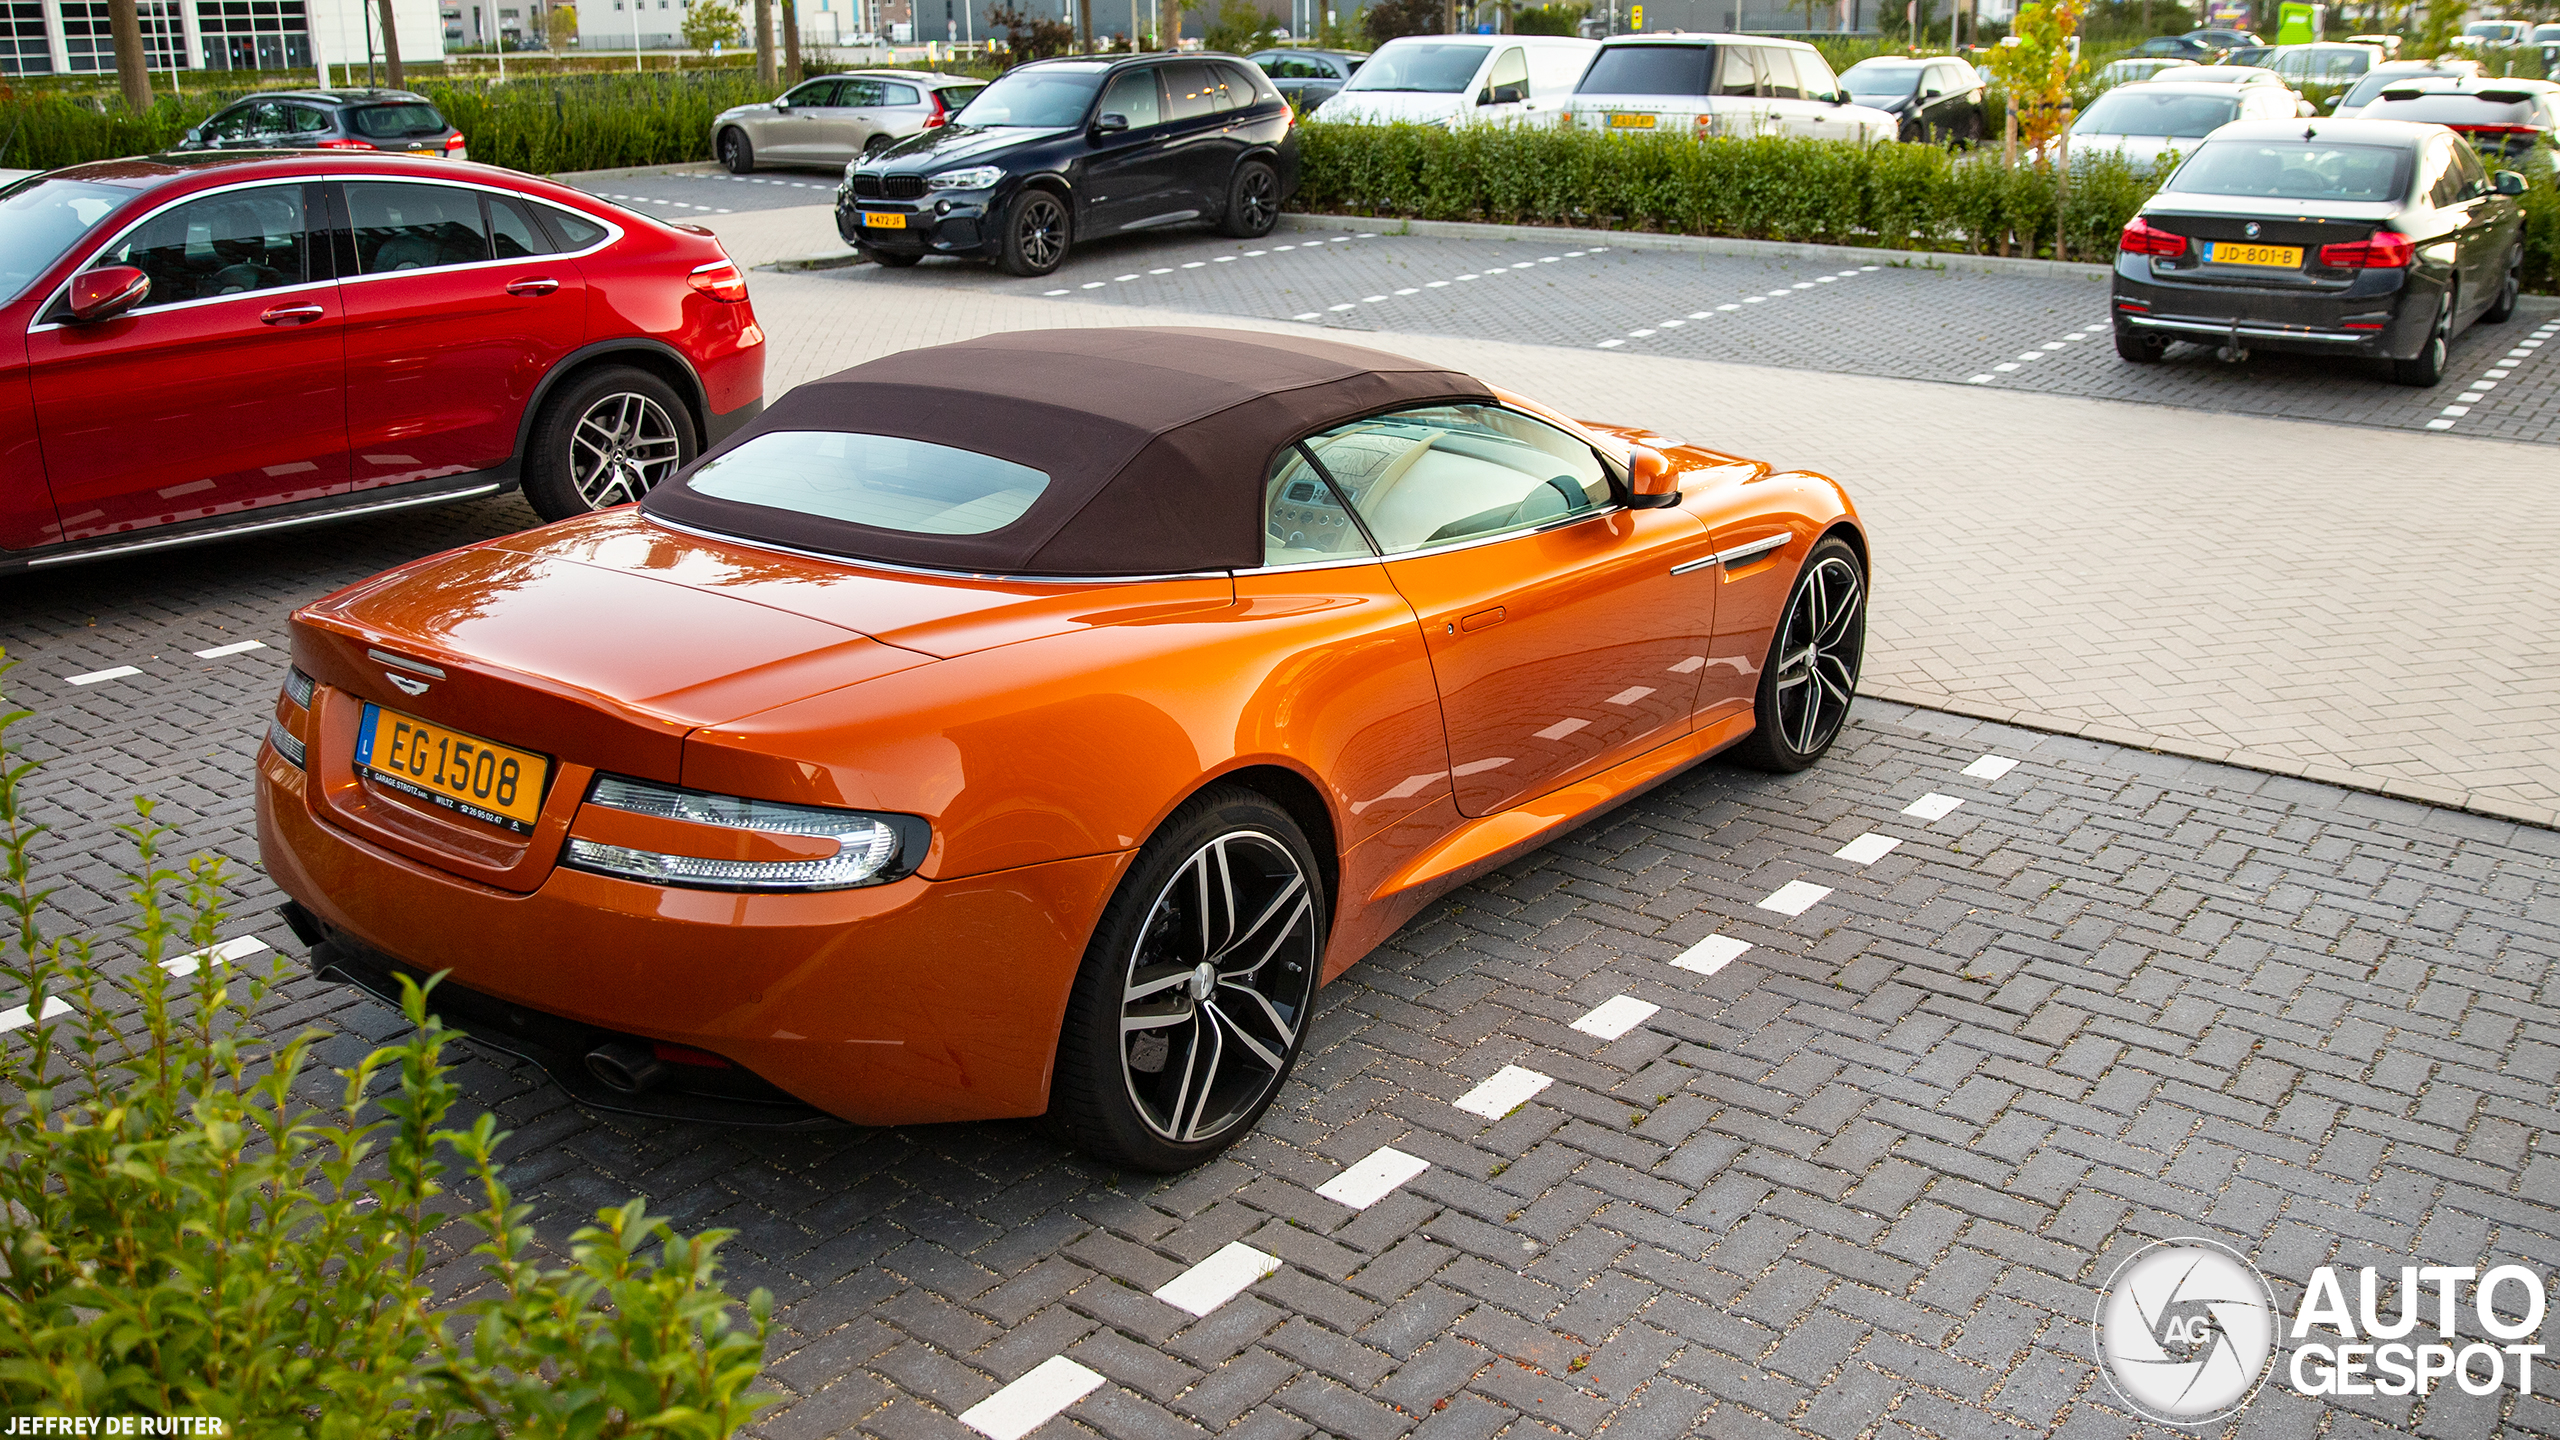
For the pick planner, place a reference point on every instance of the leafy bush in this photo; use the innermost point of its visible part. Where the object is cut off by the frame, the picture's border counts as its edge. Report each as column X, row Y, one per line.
column 1896, row 196
column 185, row 1233
column 1384, row 20
column 1555, row 19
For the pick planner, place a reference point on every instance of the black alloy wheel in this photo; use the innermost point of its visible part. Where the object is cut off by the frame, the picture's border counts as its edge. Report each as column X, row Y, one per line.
column 2426, row 368
column 1811, row 675
column 737, row 153
column 1253, row 202
column 1194, row 995
column 2503, row 309
column 606, row 438
column 1035, row 233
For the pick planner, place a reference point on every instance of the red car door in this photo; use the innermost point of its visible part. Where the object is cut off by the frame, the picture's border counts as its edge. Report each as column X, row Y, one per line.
column 456, row 308
column 223, row 390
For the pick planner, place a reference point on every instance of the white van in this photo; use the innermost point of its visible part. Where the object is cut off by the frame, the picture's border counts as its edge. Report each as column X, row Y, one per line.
column 1463, row 80
column 1706, row 85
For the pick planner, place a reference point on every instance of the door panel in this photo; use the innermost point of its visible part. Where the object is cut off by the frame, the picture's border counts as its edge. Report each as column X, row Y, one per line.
column 1199, row 102
column 224, row 391
column 1129, row 177
column 837, row 120
column 447, row 335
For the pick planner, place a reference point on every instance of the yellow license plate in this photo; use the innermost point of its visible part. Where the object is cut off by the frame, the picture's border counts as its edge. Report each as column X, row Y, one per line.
column 2281, row 257
column 883, row 220
column 495, row 784
column 1631, row 122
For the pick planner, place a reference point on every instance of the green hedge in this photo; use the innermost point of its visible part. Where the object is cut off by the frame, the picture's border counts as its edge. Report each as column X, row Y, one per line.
column 1892, row 196
column 574, row 122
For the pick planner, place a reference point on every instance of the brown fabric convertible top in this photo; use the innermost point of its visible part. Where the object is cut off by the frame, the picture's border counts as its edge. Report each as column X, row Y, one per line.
column 1156, row 442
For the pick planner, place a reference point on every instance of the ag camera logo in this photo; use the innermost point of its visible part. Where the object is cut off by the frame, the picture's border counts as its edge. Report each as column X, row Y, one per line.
column 2186, row 1331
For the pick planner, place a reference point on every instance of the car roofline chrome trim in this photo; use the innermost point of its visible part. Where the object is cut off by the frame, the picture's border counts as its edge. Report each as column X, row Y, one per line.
column 233, row 532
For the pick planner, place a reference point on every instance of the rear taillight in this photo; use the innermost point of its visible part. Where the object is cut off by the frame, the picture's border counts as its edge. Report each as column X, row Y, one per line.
column 346, row 144
column 453, row 141
column 1706, row 124
column 720, row 280
column 2382, row 250
column 2496, row 129
column 297, row 693
column 2141, row 237
column 940, row 115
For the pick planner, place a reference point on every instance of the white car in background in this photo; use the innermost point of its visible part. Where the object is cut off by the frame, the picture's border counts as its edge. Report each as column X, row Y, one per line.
column 1463, row 80
column 2382, row 77
column 1703, row 85
column 2151, row 118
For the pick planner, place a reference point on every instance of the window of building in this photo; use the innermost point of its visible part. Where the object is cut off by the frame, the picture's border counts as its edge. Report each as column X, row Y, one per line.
column 23, row 50
column 254, row 34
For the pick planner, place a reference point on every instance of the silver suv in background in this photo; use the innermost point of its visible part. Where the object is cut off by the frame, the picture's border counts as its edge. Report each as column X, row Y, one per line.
column 1702, row 85
column 835, row 119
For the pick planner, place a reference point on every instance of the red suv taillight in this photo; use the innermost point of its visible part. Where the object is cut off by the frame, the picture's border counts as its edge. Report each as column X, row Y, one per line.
column 2141, row 237
column 346, row 144
column 453, row 141
column 940, row 115
column 2382, row 250
column 720, row 280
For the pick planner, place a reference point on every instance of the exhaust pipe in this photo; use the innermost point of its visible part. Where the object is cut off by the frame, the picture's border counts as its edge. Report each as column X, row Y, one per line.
column 626, row 1067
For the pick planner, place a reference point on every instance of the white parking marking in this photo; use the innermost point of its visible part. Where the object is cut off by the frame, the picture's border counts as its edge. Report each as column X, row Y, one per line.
column 1932, row 806
column 1795, row 897
column 1867, row 849
column 95, row 676
column 1373, row 1179
column 1616, row 1016
column 1631, row 695
column 1220, row 1278
column 1342, row 307
column 1561, row 729
column 1057, row 292
column 1711, row 954
column 222, row 954
column 1373, row 299
column 1032, row 1401
column 1194, row 264
column 1990, row 767
column 1310, row 315
column 238, row 647
column 1609, row 344
column 1510, row 1088
column 18, row 1017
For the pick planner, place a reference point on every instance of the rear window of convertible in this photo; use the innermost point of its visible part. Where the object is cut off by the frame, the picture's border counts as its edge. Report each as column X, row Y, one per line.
column 881, row 481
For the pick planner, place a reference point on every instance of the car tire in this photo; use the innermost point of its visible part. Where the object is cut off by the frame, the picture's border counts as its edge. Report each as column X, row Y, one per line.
column 1912, row 134
column 605, row 438
column 891, row 259
column 2139, row 348
column 872, row 147
column 1253, row 201
column 2426, row 368
column 1037, row 233
column 1811, row 674
column 2503, row 309
column 1151, row 1073
column 737, row 152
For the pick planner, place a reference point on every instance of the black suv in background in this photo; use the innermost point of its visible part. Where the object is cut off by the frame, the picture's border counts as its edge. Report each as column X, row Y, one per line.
column 1059, row 152
column 394, row 120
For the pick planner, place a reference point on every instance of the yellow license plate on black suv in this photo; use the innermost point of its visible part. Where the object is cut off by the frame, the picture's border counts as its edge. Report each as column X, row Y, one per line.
column 2273, row 257
column 883, row 220
column 495, row 784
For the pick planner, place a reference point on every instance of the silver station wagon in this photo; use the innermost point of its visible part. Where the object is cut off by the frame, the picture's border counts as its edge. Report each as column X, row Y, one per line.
column 835, row 119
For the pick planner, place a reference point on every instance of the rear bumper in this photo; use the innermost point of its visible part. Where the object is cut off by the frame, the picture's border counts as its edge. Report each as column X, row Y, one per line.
column 2381, row 313
column 913, row 1001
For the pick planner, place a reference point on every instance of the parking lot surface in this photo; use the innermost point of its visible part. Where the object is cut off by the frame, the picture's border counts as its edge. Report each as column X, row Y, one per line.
column 699, row 191
column 1856, row 1169
column 1904, row 320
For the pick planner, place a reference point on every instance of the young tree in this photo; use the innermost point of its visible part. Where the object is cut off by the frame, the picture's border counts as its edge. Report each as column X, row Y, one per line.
column 1239, row 28
column 2037, row 70
column 709, row 23
column 133, row 66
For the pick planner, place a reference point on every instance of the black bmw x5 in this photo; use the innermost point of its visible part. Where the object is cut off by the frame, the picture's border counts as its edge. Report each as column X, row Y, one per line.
column 1059, row 152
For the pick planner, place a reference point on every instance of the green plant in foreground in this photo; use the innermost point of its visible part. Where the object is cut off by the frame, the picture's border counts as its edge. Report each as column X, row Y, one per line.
column 184, row 1233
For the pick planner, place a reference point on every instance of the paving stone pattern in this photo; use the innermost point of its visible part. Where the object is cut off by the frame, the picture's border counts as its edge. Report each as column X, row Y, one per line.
column 1863, row 1179
column 1909, row 321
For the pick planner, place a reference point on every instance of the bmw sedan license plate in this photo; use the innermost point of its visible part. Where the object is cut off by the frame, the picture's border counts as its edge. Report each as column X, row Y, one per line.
column 883, row 220
column 1631, row 122
column 2276, row 257
column 491, row 783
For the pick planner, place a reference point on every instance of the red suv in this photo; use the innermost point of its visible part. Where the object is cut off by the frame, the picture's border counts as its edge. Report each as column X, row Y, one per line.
column 198, row 346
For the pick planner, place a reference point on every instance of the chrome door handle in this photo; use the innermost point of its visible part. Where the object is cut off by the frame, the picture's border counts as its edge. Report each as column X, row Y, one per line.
column 293, row 314
column 533, row 285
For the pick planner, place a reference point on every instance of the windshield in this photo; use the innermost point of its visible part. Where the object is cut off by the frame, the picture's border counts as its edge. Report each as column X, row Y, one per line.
column 1047, row 97
column 1434, row 67
column 1885, row 77
column 2492, row 29
column 2135, row 111
column 385, row 122
column 1647, row 70
column 2292, row 170
column 39, row 222
column 877, row 480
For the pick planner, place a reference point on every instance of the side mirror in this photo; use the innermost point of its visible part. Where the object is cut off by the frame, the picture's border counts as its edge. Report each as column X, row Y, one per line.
column 1650, row 481
column 1111, row 124
column 1501, row 95
column 782, row 103
column 2304, row 109
column 106, row 292
column 2508, row 182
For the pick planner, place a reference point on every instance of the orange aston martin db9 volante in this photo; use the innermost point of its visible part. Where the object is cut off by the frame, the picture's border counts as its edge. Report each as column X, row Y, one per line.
column 1028, row 726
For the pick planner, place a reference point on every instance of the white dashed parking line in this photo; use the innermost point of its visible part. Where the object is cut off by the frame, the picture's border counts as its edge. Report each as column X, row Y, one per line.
column 2048, row 347
column 96, row 676
column 1795, row 897
column 1510, row 1088
column 1616, row 1016
column 1711, row 954
column 1220, row 1278
column 1032, row 1401
column 2477, row 392
column 242, row 647
column 1373, row 1179
column 1867, row 849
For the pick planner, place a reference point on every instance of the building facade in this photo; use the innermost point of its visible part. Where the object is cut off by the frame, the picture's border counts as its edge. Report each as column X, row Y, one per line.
column 71, row 37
